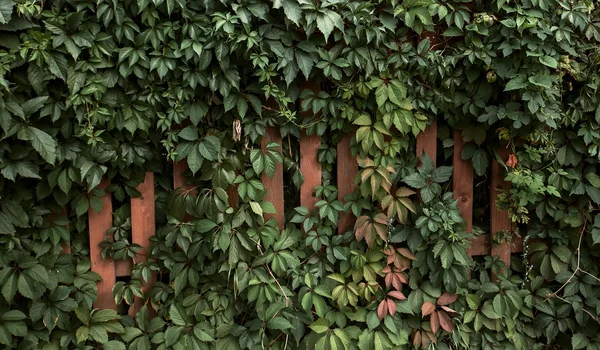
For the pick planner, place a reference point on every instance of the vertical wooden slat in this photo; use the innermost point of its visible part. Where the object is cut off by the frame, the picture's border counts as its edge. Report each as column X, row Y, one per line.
column 274, row 185
column 427, row 142
column 310, row 168
column 462, row 186
column 66, row 247
column 143, row 226
column 99, row 224
column 234, row 198
column 178, row 178
column 499, row 218
column 347, row 168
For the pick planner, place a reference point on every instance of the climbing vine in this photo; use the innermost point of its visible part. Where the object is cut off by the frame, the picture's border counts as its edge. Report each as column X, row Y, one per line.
column 114, row 89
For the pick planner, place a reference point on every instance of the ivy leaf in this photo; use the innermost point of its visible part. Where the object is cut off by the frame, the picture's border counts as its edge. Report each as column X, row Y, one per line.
column 43, row 143
column 327, row 21
column 279, row 323
column 209, row 147
column 516, row 83
column 321, row 325
column 415, row 180
column 113, row 345
column 290, row 8
column 579, row 341
column 548, row 61
column 6, row 9
column 544, row 81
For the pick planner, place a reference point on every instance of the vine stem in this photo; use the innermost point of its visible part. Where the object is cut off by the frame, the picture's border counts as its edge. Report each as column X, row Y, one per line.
column 577, row 269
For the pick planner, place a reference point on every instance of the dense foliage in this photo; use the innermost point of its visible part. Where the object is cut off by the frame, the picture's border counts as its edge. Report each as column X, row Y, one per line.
column 117, row 88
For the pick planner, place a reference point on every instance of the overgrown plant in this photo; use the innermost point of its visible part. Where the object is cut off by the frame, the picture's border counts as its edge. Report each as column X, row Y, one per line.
column 113, row 89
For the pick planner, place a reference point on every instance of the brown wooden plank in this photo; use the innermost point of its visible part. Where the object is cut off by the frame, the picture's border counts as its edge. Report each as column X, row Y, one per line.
column 462, row 185
column 480, row 245
column 234, row 198
column 123, row 268
column 347, row 169
column 499, row 218
column 274, row 185
column 99, row 224
column 178, row 178
column 143, row 226
column 310, row 168
column 427, row 142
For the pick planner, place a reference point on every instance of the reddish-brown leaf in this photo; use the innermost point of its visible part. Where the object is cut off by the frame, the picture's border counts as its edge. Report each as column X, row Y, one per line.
column 369, row 236
column 435, row 322
column 427, row 308
column 391, row 307
column 382, row 310
column 417, row 339
column 405, row 252
column 447, row 309
column 446, row 299
column 396, row 294
column 431, row 337
column 445, row 321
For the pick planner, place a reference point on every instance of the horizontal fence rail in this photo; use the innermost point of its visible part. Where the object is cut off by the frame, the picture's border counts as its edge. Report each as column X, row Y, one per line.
column 143, row 224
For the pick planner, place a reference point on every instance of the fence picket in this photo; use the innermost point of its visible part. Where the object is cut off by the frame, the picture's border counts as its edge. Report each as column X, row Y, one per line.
column 347, row 169
column 310, row 168
column 99, row 224
column 499, row 218
column 143, row 226
column 462, row 186
column 274, row 185
column 427, row 142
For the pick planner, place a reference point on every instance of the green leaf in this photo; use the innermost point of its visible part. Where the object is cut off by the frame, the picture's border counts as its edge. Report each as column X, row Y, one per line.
column 415, row 180
column 209, row 147
column 579, row 341
column 114, row 345
column 43, row 143
column 518, row 82
column 544, row 81
column 279, row 323
column 290, row 8
column 6, row 9
column 548, row 61
column 320, row 326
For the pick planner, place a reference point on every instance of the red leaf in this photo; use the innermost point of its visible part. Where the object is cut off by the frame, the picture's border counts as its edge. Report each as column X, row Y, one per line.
column 447, row 309
column 389, row 279
column 391, row 307
column 427, row 308
column 382, row 310
column 445, row 321
column 446, row 298
column 435, row 322
column 417, row 339
column 396, row 294
column 405, row 252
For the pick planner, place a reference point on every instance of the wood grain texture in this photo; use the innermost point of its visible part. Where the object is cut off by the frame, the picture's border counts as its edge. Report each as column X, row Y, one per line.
column 99, row 224
column 499, row 218
column 123, row 268
column 274, row 185
column 347, row 169
column 179, row 169
column 143, row 226
column 427, row 142
column 310, row 168
column 462, row 186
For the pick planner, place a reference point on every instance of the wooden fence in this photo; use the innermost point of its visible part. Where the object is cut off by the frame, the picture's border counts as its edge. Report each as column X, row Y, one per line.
column 143, row 220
